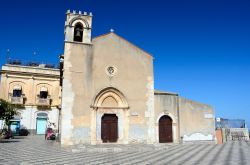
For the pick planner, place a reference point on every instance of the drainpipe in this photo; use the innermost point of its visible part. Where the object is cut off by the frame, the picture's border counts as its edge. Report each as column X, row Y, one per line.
column 61, row 57
column 59, row 124
column 178, row 114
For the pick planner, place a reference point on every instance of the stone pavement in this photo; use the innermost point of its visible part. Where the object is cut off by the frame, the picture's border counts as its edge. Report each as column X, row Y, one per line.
column 35, row 150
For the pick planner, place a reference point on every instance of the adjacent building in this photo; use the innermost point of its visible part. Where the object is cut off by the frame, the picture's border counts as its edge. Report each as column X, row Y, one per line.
column 231, row 130
column 36, row 91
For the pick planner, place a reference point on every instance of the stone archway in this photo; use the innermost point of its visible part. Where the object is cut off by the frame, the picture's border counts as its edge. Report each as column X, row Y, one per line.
column 109, row 102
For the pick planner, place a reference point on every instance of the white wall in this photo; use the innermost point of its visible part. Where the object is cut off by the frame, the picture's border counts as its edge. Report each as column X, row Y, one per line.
column 29, row 117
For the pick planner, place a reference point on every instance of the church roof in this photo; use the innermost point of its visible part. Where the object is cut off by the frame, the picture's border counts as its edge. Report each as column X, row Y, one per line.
column 158, row 92
column 114, row 34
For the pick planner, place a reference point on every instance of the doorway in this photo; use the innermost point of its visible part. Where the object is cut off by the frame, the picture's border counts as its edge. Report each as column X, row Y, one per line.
column 165, row 129
column 41, row 123
column 109, row 128
column 41, row 126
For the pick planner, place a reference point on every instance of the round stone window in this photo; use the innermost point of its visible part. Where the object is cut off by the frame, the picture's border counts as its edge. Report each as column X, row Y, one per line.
column 111, row 71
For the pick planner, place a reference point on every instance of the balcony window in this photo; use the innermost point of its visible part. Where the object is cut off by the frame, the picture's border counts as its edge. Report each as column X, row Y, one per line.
column 17, row 91
column 43, row 94
column 17, row 95
column 43, row 97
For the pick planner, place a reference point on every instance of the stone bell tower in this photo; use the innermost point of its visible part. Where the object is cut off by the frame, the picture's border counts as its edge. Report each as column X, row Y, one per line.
column 77, row 76
column 78, row 27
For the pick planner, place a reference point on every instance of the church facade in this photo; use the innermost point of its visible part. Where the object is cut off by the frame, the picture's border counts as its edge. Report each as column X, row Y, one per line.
column 108, row 94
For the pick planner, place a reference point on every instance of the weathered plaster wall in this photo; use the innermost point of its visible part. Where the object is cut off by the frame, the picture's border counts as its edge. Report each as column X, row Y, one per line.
column 134, row 78
column 28, row 117
column 85, row 76
column 166, row 104
column 196, row 121
column 76, row 94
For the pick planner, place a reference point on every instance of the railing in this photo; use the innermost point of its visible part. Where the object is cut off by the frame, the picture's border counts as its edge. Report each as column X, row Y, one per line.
column 236, row 134
column 32, row 63
column 43, row 101
column 16, row 100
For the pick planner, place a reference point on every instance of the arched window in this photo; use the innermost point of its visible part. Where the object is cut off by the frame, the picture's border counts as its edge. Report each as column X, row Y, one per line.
column 78, row 32
column 42, row 115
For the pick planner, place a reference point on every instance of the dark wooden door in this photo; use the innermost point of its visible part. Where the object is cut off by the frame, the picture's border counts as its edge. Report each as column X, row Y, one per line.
column 165, row 129
column 109, row 128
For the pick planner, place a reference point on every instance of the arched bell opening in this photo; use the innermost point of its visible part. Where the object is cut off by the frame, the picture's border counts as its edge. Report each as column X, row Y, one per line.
column 78, row 32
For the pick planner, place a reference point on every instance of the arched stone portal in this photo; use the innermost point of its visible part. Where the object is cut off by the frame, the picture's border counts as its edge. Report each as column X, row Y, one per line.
column 109, row 107
column 165, row 129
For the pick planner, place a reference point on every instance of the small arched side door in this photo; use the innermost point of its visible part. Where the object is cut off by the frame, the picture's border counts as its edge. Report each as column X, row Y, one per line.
column 165, row 129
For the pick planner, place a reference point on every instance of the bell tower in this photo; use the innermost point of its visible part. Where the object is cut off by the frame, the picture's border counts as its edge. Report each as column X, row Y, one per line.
column 76, row 75
column 78, row 27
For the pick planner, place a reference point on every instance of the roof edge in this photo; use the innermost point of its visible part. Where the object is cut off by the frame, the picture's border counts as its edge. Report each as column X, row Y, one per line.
column 105, row 34
column 158, row 92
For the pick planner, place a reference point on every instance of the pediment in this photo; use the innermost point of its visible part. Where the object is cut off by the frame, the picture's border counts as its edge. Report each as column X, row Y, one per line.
column 119, row 41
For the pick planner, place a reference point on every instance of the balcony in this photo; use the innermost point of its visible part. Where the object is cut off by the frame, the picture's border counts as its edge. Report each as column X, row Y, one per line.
column 43, row 101
column 17, row 100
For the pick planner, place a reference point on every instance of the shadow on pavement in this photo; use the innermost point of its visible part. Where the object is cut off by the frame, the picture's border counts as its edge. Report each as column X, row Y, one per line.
column 20, row 137
column 8, row 141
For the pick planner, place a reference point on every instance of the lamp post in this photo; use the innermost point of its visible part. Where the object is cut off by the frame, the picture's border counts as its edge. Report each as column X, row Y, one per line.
column 1, row 115
column 7, row 55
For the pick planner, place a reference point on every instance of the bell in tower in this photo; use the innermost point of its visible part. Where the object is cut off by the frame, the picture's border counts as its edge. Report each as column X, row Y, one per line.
column 78, row 32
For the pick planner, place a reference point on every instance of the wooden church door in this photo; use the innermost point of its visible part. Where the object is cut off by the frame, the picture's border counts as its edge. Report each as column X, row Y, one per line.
column 109, row 128
column 165, row 129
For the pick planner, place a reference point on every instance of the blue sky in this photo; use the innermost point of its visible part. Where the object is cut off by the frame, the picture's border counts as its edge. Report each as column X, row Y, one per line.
column 201, row 48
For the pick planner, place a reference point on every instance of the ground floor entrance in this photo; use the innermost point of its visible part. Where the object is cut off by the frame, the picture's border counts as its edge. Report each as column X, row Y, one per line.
column 165, row 129
column 41, row 125
column 109, row 128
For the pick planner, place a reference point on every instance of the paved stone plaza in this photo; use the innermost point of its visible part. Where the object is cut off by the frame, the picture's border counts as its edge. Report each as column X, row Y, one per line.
column 35, row 150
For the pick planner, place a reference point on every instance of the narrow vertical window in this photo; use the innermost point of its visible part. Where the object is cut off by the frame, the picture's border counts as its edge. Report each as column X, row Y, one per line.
column 78, row 32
